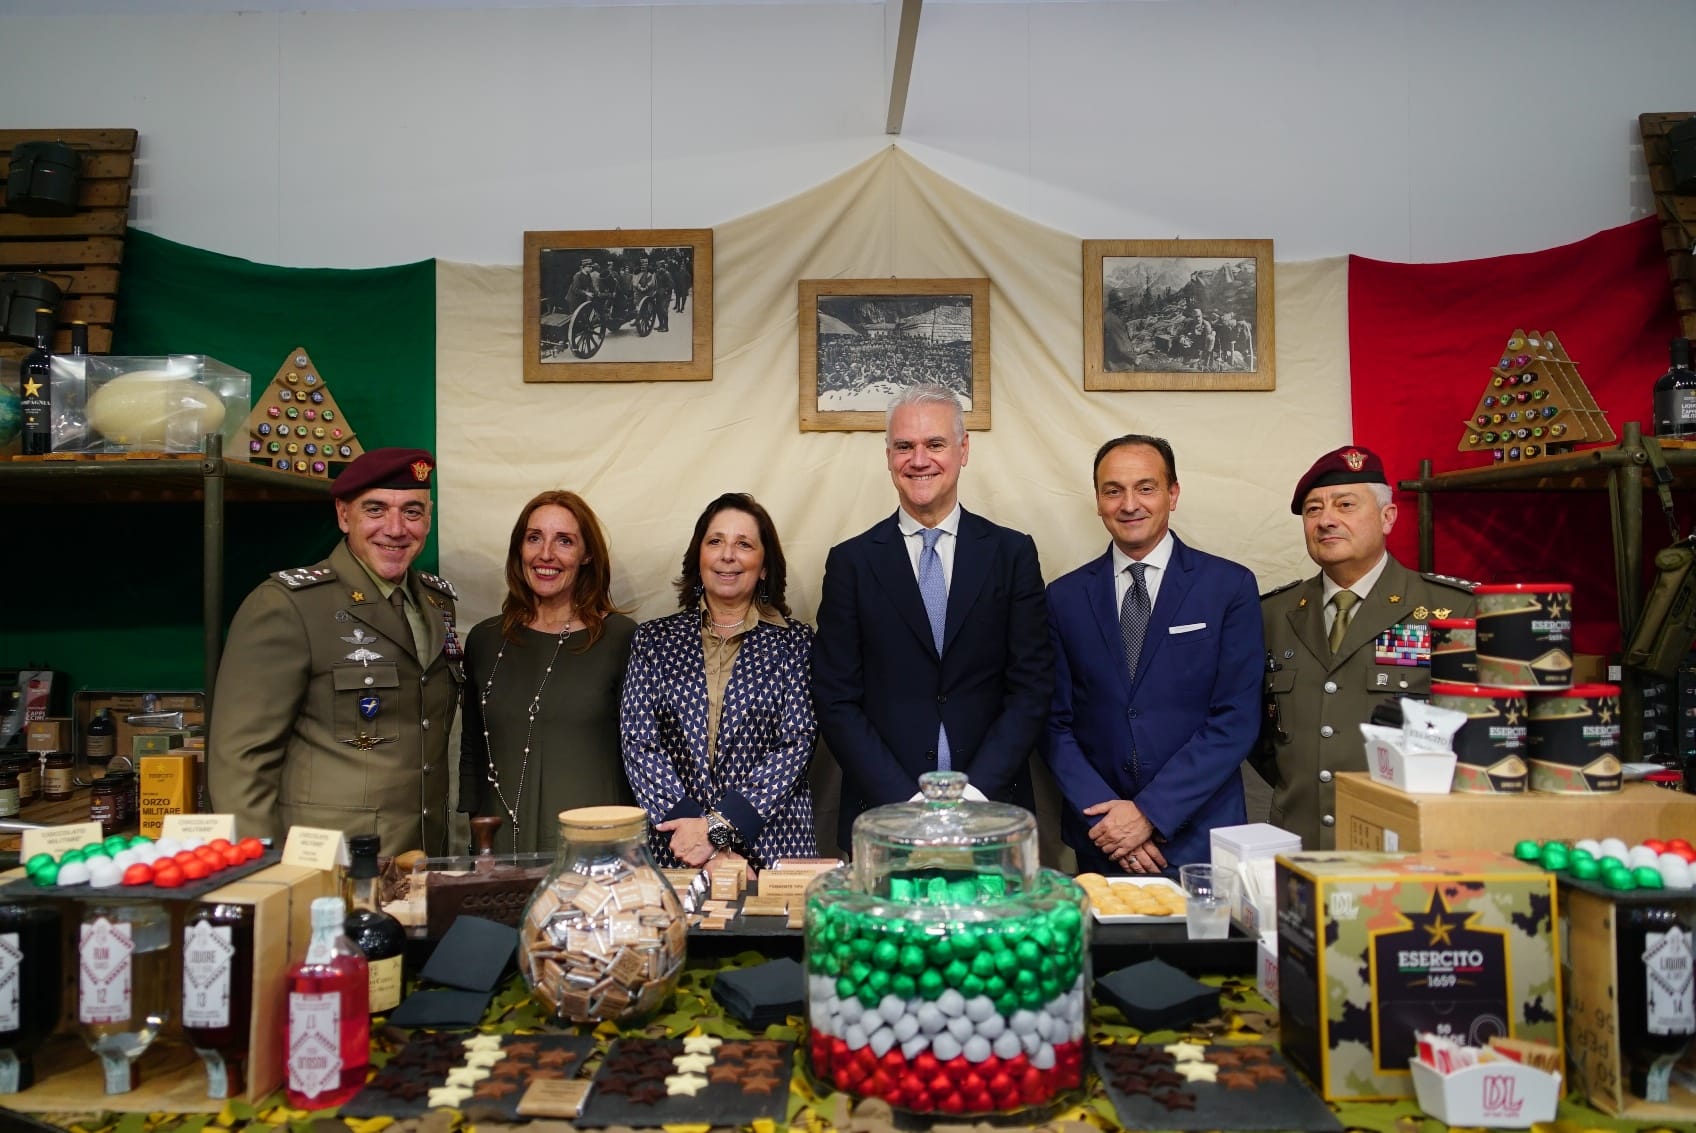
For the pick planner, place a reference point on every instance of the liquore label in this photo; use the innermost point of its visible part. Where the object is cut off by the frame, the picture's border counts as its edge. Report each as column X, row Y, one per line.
column 11, row 965
column 1667, row 968
column 104, row 985
column 207, row 953
column 315, row 1043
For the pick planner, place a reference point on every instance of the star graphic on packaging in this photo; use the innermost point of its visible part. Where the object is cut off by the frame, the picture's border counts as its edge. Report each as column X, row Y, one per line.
column 1440, row 931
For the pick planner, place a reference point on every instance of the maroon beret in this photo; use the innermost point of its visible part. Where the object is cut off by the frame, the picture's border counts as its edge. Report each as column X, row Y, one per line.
column 1350, row 464
column 400, row 468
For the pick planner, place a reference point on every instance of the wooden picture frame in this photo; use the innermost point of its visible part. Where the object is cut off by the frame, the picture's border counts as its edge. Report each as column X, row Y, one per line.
column 589, row 318
column 1147, row 335
column 862, row 340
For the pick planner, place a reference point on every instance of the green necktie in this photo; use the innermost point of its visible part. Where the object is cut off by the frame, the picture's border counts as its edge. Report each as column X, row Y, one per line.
column 1344, row 601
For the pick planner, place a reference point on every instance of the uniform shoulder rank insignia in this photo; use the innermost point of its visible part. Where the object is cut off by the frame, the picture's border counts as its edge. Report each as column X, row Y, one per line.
column 1280, row 589
column 1450, row 581
column 301, row 577
column 437, row 582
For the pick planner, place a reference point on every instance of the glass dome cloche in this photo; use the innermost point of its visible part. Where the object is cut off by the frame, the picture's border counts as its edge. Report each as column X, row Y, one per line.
column 946, row 972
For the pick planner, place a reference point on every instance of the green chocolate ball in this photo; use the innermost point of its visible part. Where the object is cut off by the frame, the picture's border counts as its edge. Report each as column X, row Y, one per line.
column 885, row 953
column 1585, row 868
column 47, row 874
column 1527, row 851
column 1555, row 857
column 903, row 985
column 941, row 953
column 1028, row 953
column 1620, row 879
column 38, row 863
column 1647, row 877
column 955, row 973
column 912, row 959
column 930, row 983
column 70, row 856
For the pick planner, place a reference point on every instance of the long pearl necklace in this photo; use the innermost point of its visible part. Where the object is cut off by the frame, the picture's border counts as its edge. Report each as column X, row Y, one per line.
column 533, row 711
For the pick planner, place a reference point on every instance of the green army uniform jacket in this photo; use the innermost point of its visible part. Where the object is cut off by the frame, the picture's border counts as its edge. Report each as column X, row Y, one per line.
column 328, row 715
column 1315, row 701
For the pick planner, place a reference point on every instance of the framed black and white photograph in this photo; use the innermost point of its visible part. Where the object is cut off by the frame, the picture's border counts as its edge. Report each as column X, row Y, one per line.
column 865, row 340
column 629, row 305
column 1178, row 315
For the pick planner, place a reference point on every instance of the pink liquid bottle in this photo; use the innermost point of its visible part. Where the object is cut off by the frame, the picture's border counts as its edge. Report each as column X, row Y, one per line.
column 329, row 1023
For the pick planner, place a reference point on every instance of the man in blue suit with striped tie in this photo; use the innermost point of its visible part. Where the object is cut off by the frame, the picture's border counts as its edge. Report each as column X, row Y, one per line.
column 1158, row 656
column 932, row 651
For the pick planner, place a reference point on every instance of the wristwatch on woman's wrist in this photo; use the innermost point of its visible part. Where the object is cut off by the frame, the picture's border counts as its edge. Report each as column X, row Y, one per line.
column 720, row 833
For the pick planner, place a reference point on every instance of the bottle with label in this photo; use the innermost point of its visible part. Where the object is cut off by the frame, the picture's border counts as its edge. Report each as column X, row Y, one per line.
column 376, row 933
column 1657, row 1015
column 123, row 955
column 31, row 978
column 35, row 389
column 218, row 992
column 1675, row 394
column 100, row 742
column 58, row 776
column 329, row 1023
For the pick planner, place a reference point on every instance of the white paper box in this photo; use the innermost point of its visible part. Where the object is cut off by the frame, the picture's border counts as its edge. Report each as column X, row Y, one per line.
column 1417, row 773
column 1496, row 1095
column 1235, row 849
column 1266, row 967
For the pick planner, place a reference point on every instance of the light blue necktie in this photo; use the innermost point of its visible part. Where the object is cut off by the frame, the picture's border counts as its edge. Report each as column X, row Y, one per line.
column 933, row 588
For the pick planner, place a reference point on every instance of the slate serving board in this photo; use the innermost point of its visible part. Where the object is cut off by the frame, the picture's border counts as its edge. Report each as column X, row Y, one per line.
column 402, row 1087
column 1270, row 1103
column 747, row 1080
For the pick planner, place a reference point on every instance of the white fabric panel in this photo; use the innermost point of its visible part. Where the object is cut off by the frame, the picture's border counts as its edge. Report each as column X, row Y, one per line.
column 649, row 456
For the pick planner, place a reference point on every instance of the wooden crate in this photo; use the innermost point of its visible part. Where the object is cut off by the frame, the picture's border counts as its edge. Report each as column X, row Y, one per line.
column 1677, row 213
column 82, row 252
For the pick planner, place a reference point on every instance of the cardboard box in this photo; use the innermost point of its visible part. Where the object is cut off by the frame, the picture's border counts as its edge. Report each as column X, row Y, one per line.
column 51, row 734
column 1371, row 816
column 1372, row 947
column 173, row 1080
column 167, row 787
column 1590, row 963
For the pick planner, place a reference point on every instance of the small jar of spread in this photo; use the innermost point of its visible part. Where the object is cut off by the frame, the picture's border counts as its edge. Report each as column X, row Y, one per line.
column 28, row 767
column 105, row 805
column 58, row 776
column 8, row 789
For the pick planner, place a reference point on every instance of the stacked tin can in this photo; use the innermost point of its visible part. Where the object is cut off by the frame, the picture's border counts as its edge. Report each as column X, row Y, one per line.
column 947, row 973
column 1527, row 723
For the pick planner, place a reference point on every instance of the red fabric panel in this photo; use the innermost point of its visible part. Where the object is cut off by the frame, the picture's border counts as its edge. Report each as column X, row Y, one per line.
column 1422, row 340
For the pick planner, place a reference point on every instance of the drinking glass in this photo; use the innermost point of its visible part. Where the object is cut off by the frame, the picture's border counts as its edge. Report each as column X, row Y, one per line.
column 1207, row 901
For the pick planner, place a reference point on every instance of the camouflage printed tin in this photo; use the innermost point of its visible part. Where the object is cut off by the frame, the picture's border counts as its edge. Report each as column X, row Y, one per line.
column 1372, row 947
column 1454, row 650
column 1574, row 738
column 1490, row 746
column 1524, row 635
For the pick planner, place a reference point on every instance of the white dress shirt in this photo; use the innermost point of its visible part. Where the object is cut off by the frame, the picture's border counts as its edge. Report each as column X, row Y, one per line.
column 1362, row 587
column 912, row 533
column 1156, row 561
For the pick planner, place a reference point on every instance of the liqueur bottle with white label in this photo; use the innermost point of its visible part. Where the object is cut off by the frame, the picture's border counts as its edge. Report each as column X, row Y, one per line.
column 123, row 954
column 218, row 992
column 31, row 979
column 329, row 1022
column 377, row 934
column 1657, row 1013
column 1675, row 394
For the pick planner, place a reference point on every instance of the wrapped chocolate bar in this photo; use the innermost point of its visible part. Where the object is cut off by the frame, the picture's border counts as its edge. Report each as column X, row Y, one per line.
column 603, row 936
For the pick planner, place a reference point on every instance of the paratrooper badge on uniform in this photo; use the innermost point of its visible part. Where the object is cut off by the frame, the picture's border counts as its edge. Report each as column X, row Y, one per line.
column 301, row 577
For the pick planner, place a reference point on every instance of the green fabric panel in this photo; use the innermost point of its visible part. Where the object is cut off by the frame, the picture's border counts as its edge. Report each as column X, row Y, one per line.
column 113, row 597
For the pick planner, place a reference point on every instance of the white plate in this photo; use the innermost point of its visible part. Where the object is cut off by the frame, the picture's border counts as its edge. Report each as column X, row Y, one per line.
column 1135, row 918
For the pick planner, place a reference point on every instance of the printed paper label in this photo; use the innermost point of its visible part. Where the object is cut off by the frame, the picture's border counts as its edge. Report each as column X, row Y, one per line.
column 11, row 963
column 385, row 985
column 103, row 993
column 315, row 1047
column 1667, row 971
column 207, row 955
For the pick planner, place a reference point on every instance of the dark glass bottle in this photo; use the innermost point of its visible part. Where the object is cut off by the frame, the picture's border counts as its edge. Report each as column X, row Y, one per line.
column 218, row 992
column 1675, row 394
column 100, row 742
column 1657, row 1017
column 35, row 389
column 79, row 338
column 377, row 934
column 31, row 982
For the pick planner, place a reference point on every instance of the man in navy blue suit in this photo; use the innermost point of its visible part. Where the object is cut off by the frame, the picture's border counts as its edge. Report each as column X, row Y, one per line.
column 932, row 651
column 1158, row 655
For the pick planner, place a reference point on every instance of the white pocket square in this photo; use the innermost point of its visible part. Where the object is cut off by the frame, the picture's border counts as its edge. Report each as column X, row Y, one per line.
column 1191, row 628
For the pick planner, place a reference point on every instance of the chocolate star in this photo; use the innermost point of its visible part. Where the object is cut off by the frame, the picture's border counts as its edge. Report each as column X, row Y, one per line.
column 763, row 1063
column 1185, row 1052
column 1266, row 1072
column 692, row 1063
column 724, row 1072
column 613, row 1084
column 701, row 1044
column 510, row 1069
column 448, row 1097
column 387, row 1079
column 524, row 1048
column 410, row 1090
column 759, row 1083
column 1176, row 1099
column 1236, row 1080
column 496, row 1088
column 647, row 1093
column 1199, row 1071
column 557, row 1057
column 1127, row 1083
column 679, row 1085
column 482, row 1042
column 763, row 1046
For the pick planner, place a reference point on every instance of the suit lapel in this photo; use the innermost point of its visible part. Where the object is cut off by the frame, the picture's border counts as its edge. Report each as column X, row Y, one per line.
column 1307, row 622
column 1099, row 591
column 972, row 555
column 894, row 572
column 435, row 627
column 686, row 632
column 1173, row 587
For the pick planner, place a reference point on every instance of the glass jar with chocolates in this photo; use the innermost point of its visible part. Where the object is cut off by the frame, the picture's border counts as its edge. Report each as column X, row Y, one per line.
column 946, row 959
column 603, row 937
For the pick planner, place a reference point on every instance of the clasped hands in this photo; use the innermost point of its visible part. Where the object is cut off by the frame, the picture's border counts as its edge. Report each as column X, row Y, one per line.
column 689, row 842
column 1127, row 836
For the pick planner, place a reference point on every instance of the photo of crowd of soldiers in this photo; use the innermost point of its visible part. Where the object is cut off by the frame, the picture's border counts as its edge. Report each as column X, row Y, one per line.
column 1178, row 313
column 870, row 348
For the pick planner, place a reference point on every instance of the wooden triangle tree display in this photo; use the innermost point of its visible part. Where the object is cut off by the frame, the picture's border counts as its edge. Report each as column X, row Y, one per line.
column 296, row 425
column 1536, row 404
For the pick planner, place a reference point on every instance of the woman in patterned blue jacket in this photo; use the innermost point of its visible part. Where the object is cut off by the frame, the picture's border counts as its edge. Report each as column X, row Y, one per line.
column 717, row 716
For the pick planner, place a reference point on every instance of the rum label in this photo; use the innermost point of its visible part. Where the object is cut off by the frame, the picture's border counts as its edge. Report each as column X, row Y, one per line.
column 103, row 994
column 315, row 1043
column 207, row 956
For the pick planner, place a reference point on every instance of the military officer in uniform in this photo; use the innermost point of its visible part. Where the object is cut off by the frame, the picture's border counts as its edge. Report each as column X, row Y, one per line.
column 1337, row 645
column 340, row 681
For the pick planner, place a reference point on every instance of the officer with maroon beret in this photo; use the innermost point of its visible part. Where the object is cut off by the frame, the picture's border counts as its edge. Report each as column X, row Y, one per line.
column 1353, row 636
column 340, row 680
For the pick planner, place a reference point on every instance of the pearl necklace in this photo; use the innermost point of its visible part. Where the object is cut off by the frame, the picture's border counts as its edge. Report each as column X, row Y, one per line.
column 534, row 709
